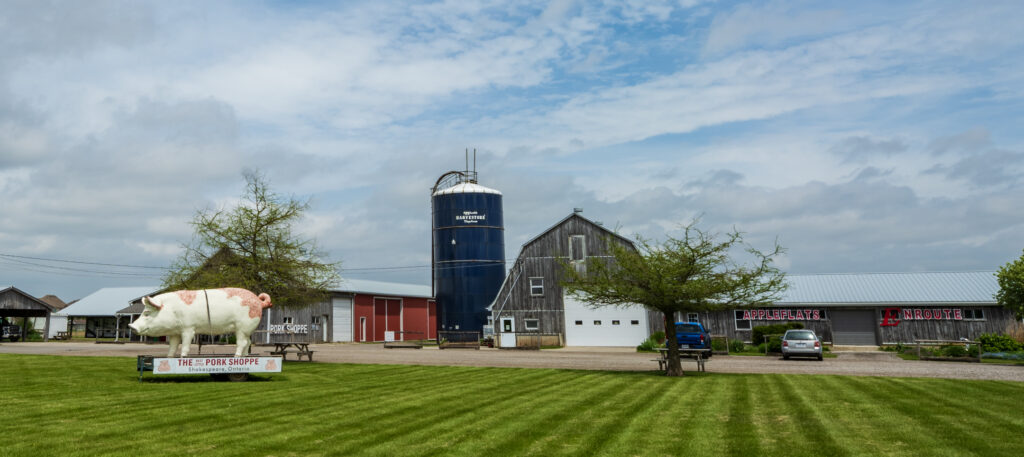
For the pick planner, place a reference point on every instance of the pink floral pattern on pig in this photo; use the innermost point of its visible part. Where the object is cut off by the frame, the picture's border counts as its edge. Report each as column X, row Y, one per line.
column 187, row 296
column 250, row 300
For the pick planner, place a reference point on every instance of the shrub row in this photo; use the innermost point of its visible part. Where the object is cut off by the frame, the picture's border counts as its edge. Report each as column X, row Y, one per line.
column 758, row 333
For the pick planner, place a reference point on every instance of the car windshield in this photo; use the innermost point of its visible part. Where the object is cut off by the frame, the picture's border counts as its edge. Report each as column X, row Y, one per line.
column 689, row 328
column 800, row 336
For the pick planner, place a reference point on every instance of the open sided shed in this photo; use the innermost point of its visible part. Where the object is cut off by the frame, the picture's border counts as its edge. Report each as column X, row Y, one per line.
column 95, row 316
column 16, row 303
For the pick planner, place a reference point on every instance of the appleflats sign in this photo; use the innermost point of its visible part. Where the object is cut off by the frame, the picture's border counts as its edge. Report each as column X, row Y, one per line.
column 891, row 317
column 779, row 314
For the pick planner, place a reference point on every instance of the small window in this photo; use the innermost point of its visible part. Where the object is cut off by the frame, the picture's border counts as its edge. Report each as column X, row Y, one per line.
column 634, row 322
column 692, row 317
column 974, row 314
column 287, row 320
column 490, row 320
column 579, row 322
column 741, row 324
column 316, row 319
column 537, row 287
column 615, row 322
column 532, row 324
column 577, row 248
column 597, row 322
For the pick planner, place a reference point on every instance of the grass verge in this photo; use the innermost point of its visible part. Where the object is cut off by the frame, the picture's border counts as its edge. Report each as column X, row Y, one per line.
column 84, row 406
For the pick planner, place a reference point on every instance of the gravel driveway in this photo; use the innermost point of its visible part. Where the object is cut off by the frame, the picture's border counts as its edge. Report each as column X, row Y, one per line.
column 581, row 358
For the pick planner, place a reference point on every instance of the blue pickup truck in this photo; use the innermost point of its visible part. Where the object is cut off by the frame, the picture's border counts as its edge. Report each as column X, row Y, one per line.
column 691, row 335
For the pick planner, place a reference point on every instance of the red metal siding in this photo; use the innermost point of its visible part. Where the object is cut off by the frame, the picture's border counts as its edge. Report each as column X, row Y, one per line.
column 394, row 314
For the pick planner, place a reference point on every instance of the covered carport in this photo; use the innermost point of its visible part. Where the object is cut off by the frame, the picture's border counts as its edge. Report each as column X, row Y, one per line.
column 15, row 303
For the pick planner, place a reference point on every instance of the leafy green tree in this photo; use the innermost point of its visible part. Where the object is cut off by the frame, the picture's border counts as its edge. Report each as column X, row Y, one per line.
column 695, row 273
column 1011, row 286
column 252, row 246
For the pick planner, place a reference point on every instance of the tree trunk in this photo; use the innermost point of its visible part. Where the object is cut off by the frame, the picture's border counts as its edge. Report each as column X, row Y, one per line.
column 673, row 366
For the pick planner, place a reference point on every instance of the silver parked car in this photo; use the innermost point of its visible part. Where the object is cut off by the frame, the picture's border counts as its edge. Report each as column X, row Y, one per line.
column 800, row 343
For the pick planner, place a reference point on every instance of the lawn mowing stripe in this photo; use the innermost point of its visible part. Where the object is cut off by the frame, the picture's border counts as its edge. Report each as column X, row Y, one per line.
column 534, row 417
column 395, row 426
column 742, row 437
column 314, row 429
column 647, row 424
column 698, row 421
column 356, row 415
column 454, row 427
column 919, row 414
column 505, row 418
column 602, row 437
column 981, row 413
column 579, row 393
column 809, row 420
column 860, row 418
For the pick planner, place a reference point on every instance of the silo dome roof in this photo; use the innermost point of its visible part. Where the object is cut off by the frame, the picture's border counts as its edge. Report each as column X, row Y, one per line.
column 466, row 188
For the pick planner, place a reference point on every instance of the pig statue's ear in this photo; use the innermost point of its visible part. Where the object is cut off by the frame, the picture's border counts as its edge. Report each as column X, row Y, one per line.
column 151, row 302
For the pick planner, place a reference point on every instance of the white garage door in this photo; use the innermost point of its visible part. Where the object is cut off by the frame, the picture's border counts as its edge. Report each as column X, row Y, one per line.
column 342, row 319
column 608, row 326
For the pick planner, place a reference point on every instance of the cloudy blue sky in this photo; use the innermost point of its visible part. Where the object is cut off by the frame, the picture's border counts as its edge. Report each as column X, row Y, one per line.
column 865, row 136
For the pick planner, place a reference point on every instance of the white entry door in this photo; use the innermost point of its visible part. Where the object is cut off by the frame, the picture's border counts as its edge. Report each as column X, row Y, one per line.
column 342, row 324
column 507, row 336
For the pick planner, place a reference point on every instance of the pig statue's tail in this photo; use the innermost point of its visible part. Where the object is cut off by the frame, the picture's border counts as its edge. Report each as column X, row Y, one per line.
column 265, row 300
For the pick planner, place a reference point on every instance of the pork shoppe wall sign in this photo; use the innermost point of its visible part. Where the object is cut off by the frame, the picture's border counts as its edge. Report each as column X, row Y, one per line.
column 778, row 314
column 891, row 317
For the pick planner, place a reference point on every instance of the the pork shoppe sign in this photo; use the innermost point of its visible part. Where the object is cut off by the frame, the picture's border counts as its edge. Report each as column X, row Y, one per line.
column 214, row 365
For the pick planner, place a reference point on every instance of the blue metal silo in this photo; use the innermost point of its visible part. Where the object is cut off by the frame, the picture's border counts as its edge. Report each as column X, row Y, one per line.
column 468, row 250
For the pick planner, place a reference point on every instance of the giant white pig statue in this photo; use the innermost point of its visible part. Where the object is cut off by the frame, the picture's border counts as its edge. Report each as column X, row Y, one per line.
column 180, row 315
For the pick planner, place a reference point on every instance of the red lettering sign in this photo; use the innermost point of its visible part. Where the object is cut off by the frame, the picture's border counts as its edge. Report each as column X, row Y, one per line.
column 891, row 317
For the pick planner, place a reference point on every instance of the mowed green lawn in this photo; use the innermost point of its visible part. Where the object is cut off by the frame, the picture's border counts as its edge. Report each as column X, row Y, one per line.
column 71, row 406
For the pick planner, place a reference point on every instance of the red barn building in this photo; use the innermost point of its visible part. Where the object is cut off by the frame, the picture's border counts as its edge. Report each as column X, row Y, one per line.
column 365, row 310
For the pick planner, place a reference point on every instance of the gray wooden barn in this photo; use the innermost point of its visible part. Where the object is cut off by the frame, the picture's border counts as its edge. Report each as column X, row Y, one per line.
column 531, row 300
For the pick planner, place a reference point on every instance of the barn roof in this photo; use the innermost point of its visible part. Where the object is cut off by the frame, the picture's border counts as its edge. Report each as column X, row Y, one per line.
column 107, row 301
column 975, row 287
column 35, row 302
column 393, row 289
column 566, row 218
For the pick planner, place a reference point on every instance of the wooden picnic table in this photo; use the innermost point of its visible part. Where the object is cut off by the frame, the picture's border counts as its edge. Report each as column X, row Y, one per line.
column 696, row 354
column 299, row 348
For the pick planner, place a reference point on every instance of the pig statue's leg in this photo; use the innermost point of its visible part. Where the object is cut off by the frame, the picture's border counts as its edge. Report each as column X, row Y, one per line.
column 242, row 343
column 186, row 341
column 173, row 340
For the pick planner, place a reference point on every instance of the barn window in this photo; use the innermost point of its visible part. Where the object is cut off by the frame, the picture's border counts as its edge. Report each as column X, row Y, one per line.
column 597, row 322
column 579, row 322
column 692, row 317
column 287, row 320
column 537, row 287
column 634, row 322
column 741, row 324
column 577, row 248
column 974, row 314
column 316, row 320
column 615, row 322
column 532, row 324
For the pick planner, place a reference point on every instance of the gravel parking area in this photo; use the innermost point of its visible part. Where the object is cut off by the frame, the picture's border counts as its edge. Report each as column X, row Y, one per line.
column 581, row 358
